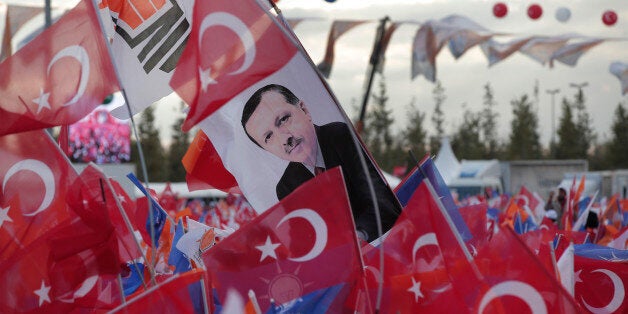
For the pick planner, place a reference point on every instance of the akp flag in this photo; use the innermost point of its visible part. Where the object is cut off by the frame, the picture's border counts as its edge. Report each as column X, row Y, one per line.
column 59, row 77
column 305, row 243
column 149, row 37
column 233, row 45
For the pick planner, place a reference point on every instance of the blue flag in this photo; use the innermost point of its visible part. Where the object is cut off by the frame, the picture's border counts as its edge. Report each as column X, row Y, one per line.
column 177, row 258
column 317, row 301
column 132, row 282
column 159, row 214
column 522, row 227
column 595, row 251
column 429, row 171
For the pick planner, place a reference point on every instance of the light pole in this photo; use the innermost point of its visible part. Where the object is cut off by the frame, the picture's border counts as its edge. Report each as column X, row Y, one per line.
column 553, row 92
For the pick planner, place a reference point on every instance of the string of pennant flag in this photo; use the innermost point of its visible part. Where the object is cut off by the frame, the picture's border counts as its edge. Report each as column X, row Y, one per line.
column 460, row 34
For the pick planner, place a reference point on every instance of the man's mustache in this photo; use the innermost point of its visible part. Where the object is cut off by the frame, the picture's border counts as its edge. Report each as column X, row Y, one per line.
column 291, row 143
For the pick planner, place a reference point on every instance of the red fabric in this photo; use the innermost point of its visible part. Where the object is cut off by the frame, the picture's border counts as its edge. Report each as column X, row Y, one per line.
column 170, row 296
column 421, row 248
column 223, row 52
column 204, row 167
column 600, row 286
column 105, row 196
column 475, row 218
column 48, row 70
column 517, row 280
column 526, row 198
column 301, row 256
column 58, row 241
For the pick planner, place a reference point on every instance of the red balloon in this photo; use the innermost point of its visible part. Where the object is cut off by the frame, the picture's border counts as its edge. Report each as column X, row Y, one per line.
column 535, row 11
column 609, row 17
column 500, row 9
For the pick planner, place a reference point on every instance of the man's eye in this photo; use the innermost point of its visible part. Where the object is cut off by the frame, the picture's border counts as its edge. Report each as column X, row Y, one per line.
column 284, row 119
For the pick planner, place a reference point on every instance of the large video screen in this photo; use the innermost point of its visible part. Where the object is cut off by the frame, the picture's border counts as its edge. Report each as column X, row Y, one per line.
column 100, row 138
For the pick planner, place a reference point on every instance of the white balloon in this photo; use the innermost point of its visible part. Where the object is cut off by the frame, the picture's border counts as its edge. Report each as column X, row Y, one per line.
column 563, row 14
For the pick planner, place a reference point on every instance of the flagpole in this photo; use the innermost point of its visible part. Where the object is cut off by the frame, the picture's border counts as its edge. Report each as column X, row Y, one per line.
column 374, row 61
column 122, row 289
column 127, row 222
column 134, row 127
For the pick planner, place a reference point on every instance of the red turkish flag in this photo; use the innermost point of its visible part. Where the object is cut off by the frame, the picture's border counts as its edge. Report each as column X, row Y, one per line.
column 475, row 218
column 517, row 281
column 36, row 177
column 204, row 167
column 233, row 45
column 304, row 243
column 59, row 77
column 426, row 269
column 100, row 189
column 600, row 286
column 177, row 294
column 58, row 246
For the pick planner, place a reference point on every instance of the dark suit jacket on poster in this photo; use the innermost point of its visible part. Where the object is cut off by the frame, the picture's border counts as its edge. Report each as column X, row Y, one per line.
column 338, row 149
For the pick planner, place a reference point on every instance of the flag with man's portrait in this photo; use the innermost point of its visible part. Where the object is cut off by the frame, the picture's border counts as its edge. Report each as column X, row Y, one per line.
column 216, row 80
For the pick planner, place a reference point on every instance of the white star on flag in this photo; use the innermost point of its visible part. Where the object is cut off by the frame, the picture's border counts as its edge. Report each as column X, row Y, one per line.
column 4, row 215
column 416, row 289
column 577, row 276
column 205, row 77
column 42, row 293
column 268, row 249
column 42, row 100
column 121, row 199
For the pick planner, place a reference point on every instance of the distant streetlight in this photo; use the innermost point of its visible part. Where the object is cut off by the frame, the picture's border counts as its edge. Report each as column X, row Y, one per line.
column 579, row 86
column 553, row 92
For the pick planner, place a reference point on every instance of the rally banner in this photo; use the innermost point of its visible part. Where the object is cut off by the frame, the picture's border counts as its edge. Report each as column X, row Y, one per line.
column 269, row 116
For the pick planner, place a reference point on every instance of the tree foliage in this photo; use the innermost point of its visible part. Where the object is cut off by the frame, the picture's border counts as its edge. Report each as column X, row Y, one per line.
column 180, row 141
column 154, row 153
column 618, row 146
column 568, row 142
column 489, row 124
column 438, row 117
column 524, row 137
column 466, row 142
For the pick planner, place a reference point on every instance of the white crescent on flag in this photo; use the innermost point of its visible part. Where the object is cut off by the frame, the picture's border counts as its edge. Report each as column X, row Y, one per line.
column 80, row 54
column 619, row 294
column 517, row 289
column 320, row 231
column 40, row 169
column 426, row 239
column 237, row 26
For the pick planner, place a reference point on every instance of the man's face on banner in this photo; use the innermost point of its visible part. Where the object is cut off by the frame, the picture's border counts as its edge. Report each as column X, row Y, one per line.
column 283, row 129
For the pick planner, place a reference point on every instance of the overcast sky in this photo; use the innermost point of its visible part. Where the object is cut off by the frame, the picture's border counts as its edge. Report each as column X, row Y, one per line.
column 463, row 79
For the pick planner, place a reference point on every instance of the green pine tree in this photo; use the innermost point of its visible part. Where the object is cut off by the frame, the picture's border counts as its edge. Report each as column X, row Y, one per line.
column 489, row 124
column 618, row 147
column 154, row 153
column 379, row 120
column 414, row 135
column 466, row 141
column 438, row 117
column 524, row 137
column 180, row 141
column 568, row 142
column 584, row 127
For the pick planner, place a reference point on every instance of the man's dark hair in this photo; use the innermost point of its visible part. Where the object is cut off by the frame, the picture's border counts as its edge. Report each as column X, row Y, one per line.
column 256, row 98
